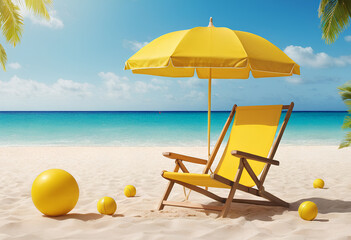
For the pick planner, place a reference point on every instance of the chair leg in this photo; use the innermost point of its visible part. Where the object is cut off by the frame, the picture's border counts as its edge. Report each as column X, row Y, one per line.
column 165, row 195
column 229, row 200
column 169, row 188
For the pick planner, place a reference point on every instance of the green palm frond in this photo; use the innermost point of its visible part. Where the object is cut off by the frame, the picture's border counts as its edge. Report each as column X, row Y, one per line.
column 347, row 122
column 39, row 7
column 11, row 21
column 335, row 17
column 3, row 57
column 345, row 93
column 347, row 141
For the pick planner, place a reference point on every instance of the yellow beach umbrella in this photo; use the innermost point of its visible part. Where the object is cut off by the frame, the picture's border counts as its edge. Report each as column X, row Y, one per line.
column 215, row 53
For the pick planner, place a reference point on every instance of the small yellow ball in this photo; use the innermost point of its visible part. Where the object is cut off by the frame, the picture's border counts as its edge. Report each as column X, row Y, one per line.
column 129, row 191
column 308, row 210
column 55, row 192
column 318, row 183
column 107, row 205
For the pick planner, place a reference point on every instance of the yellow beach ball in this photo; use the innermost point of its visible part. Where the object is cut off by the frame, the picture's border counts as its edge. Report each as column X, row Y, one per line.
column 308, row 210
column 129, row 191
column 107, row 205
column 318, row 183
column 55, row 192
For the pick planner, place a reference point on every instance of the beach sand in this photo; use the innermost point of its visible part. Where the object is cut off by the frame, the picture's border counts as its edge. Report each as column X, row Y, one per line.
column 104, row 171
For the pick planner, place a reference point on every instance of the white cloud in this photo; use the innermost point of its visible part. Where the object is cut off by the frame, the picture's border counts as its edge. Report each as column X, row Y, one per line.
column 134, row 45
column 347, row 38
column 68, row 86
column 191, row 82
column 116, row 86
column 154, row 84
column 170, row 97
column 15, row 65
column 307, row 57
column 113, row 86
column 54, row 22
column 312, row 80
column 293, row 80
column 143, row 87
column 29, row 88
column 23, row 87
column 194, row 95
column 161, row 82
column 121, row 86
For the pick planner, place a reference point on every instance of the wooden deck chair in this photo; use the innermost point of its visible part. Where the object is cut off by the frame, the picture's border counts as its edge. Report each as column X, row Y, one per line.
column 244, row 164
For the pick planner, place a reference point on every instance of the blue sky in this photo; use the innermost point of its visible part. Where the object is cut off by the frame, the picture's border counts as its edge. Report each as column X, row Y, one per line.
column 75, row 61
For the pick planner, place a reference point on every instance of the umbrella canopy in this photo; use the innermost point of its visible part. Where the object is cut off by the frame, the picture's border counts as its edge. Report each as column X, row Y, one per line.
column 214, row 52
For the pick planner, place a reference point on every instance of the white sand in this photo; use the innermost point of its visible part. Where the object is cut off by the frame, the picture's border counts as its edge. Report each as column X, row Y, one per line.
column 104, row 171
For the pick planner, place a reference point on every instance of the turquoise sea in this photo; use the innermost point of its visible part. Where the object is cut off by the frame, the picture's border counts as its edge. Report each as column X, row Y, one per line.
column 150, row 128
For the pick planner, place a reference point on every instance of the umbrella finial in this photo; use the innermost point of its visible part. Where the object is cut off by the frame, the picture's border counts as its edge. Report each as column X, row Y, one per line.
column 211, row 23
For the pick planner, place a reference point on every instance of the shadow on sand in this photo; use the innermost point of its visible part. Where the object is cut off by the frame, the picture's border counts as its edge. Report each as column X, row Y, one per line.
column 266, row 213
column 249, row 212
column 325, row 205
column 82, row 216
column 79, row 216
column 255, row 212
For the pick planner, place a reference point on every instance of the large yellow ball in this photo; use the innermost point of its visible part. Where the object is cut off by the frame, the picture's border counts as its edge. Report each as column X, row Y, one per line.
column 55, row 192
column 129, row 191
column 308, row 210
column 318, row 183
column 107, row 205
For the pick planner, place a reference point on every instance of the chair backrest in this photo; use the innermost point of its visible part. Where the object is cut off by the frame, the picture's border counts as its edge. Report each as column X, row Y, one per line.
column 253, row 131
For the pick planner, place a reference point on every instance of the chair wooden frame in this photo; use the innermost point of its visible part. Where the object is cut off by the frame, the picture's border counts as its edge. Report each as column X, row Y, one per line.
column 234, row 185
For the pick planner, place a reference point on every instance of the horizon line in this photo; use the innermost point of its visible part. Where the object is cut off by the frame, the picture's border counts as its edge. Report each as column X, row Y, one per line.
column 151, row 111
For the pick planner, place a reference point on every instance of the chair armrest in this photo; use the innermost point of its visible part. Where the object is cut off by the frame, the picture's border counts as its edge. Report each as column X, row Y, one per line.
column 254, row 157
column 184, row 158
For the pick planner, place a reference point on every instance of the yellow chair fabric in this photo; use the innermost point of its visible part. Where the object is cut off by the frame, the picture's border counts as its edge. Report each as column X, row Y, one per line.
column 196, row 179
column 253, row 131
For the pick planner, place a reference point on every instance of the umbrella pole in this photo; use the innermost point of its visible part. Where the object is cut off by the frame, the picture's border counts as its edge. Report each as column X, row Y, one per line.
column 208, row 128
column 209, row 117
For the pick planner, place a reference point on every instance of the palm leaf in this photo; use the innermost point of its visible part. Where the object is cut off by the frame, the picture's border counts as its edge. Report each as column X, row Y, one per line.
column 345, row 93
column 11, row 21
column 335, row 17
column 347, row 122
column 39, row 7
column 347, row 141
column 3, row 57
